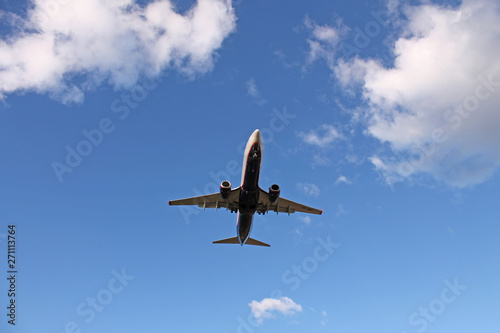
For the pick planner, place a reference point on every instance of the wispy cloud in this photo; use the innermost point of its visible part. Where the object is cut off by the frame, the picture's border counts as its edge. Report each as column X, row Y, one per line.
column 323, row 40
column 253, row 91
column 282, row 58
column 321, row 159
column 322, row 137
column 306, row 219
column 266, row 307
column 340, row 210
column 73, row 46
column 308, row 188
column 342, row 180
column 324, row 319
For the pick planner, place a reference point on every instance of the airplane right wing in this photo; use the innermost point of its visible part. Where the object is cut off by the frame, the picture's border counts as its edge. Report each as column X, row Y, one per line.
column 283, row 205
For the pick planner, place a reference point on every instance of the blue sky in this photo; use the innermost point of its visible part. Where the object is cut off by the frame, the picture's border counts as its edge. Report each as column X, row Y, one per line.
column 383, row 114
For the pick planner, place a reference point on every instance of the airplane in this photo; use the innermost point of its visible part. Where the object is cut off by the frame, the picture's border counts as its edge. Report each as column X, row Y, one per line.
column 248, row 198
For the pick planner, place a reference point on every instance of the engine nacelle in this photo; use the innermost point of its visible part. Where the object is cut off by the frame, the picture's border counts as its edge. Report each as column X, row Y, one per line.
column 225, row 189
column 274, row 193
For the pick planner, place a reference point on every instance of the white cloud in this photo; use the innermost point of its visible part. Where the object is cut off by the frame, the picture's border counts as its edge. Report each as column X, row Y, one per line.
column 252, row 88
column 109, row 41
column 437, row 106
column 306, row 219
column 352, row 158
column 324, row 320
column 253, row 91
column 342, row 179
column 264, row 308
column 323, row 40
column 308, row 188
column 340, row 210
column 321, row 159
column 321, row 137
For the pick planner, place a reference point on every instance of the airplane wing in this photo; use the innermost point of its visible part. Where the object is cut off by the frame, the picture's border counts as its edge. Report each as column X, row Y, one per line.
column 211, row 201
column 283, row 205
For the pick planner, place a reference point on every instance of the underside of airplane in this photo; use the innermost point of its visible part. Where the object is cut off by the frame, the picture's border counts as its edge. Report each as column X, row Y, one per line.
column 248, row 198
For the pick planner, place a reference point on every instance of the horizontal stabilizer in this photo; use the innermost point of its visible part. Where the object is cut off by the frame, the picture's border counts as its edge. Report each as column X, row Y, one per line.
column 252, row 241
column 232, row 240
column 235, row 240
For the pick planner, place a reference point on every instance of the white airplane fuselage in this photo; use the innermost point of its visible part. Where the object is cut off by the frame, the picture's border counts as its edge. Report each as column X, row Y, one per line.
column 249, row 192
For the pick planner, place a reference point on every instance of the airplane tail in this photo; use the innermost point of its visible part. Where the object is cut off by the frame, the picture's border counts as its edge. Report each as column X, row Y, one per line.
column 235, row 240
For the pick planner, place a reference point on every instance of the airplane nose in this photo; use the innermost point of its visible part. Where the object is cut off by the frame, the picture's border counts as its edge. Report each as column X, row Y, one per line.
column 258, row 135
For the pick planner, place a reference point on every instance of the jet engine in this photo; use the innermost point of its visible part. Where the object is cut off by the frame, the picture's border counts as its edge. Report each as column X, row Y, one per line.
column 274, row 193
column 225, row 189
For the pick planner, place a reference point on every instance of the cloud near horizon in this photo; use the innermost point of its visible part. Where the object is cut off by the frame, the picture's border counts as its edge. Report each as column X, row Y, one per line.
column 66, row 49
column 437, row 106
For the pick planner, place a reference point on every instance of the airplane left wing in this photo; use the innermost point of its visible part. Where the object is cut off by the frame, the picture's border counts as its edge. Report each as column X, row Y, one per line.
column 283, row 205
column 213, row 200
